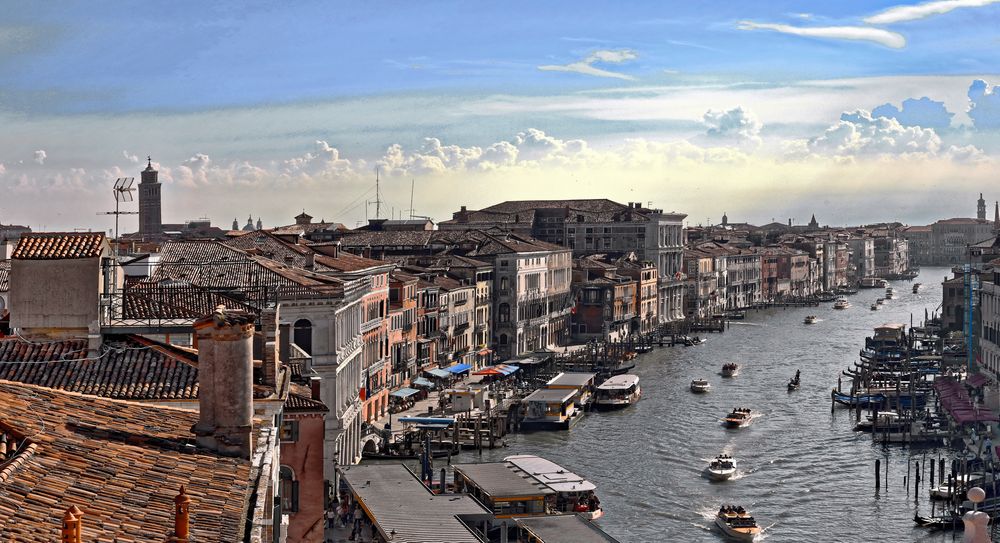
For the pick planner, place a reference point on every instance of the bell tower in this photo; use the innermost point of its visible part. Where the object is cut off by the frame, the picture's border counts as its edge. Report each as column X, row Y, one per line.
column 150, row 220
column 981, row 208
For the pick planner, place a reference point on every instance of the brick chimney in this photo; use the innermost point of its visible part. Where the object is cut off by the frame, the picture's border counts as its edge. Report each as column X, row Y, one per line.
column 271, row 361
column 225, row 375
column 461, row 216
column 72, row 526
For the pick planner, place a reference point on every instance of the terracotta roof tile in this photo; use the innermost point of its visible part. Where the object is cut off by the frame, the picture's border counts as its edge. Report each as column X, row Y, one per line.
column 122, row 463
column 300, row 403
column 59, row 245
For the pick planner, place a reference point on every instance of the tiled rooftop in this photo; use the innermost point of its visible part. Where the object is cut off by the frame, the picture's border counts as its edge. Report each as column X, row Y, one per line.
column 122, row 463
column 299, row 403
column 59, row 245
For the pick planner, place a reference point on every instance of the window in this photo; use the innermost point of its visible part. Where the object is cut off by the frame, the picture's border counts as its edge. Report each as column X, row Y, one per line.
column 504, row 315
column 302, row 335
column 503, row 339
column 289, row 490
column 290, row 431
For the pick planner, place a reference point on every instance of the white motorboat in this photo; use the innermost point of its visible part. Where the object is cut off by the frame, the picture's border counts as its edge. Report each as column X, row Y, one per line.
column 722, row 468
column 700, row 385
column 889, row 293
column 810, row 319
column 737, row 523
column 739, row 418
column 876, row 307
column 730, row 369
column 879, row 301
column 618, row 391
column 841, row 303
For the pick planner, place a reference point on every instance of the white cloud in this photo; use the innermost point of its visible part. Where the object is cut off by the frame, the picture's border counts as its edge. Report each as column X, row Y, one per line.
column 130, row 157
column 737, row 123
column 899, row 14
column 923, row 112
column 586, row 66
column 323, row 160
column 984, row 106
column 855, row 33
column 3, row 169
column 40, row 156
column 858, row 133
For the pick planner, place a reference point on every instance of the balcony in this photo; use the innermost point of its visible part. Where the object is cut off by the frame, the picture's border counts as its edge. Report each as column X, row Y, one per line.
column 371, row 325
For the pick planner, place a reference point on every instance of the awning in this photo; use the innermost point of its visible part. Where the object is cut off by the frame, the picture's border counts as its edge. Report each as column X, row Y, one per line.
column 440, row 373
column 421, row 382
column 459, row 368
column 484, row 352
column 977, row 380
column 499, row 369
column 404, row 392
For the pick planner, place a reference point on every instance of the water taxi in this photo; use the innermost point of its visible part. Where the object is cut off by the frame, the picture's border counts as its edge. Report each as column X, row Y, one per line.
column 700, row 386
column 722, row 468
column 739, row 418
column 841, row 303
column 916, row 287
column 731, row 369
column 879, row 301
column 873, row 282
column 889, row 293
column 737, row 523
column 618, row 391
column 810, row 319
column 876, row 307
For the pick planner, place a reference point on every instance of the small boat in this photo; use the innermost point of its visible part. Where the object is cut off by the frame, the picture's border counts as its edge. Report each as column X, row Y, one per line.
column 793, row 384
column 730, row 369
column 618, row 391
column 736, row 315
column 916, row 287
column 722, row 468
column 826, row 297
column 700, row 386
column 437, row 453
column 950, row 521
column 642, row 348
column 942, row 492
column 872, row 282
column 810, row 319
column 876, row 307
column 737, row 523
column 864, row 400
column 889, row 293
column 691, row 341
column 841, row 303
column 739, row 418
column 879, row 301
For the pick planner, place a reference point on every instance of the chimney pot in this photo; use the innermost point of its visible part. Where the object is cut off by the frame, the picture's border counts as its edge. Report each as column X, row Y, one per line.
column 182, row 524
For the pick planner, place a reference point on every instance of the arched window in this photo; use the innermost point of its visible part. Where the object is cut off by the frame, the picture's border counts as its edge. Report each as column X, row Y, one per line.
column 289, row 490
column 504, row 313
column 503, row 339
column 303, row 335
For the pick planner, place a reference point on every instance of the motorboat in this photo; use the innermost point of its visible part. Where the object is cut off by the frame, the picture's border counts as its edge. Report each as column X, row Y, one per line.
column 739, row 418
column 700, row 386
column 889, row 293
column 737, row 523
column 879, row 301
column 876, row 307
column 810, row 319
column 841, row 303
column 916, row 287
column 617, row 391
column 731, row 369
column 943, row 492
column 723, row 467
column 948, row 521
column 872, row 282
column 692, row 341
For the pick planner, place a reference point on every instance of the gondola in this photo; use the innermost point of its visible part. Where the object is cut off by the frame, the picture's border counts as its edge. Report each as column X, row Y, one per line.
column 793, row 385
column 864, row 400
column 415, row 456
column 952, row 521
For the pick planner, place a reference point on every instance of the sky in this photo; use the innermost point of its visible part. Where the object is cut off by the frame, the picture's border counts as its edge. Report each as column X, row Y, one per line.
column 856, row 112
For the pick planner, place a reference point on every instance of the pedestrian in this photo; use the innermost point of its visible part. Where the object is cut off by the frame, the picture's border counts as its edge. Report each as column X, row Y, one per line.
column 331, row 518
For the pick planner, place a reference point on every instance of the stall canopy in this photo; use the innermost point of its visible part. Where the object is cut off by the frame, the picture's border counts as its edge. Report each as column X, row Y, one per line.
column 499, row 369
column 404, row 392
column 460, row 368
column 977, row 380
column 438, row 372
column 421, row 382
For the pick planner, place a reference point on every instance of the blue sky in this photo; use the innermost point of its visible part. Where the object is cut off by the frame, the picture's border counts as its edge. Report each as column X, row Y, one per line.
column 255, row 96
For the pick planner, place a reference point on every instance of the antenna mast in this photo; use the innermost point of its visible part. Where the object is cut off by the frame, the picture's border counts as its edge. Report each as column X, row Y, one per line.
column 123, row 193
column 411, row 199
column 378, row 201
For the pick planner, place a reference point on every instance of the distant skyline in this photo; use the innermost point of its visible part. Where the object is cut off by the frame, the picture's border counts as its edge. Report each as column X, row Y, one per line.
column 855, row 111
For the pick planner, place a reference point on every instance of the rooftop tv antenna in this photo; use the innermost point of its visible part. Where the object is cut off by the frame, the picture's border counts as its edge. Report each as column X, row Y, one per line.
column 123, row 193
column 378, row 198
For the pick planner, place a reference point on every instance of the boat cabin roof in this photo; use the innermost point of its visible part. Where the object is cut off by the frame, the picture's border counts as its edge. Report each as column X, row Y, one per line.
column 551, row 395
column 574, row 379
column 620, row 382
column 503, row 480
column 551, row 474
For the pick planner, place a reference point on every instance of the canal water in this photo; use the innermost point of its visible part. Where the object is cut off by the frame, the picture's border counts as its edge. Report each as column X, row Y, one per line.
column 804, row 473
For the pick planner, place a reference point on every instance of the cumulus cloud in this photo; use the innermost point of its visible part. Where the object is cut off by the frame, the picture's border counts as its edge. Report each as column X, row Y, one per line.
column 899, row 14
column 854, row 33
column 40, row 156
column 923, row 112
column 586, row 66
column 984, row 105
column 858, row 133
column 737, row 124
column 323, row 160
column 130, row 157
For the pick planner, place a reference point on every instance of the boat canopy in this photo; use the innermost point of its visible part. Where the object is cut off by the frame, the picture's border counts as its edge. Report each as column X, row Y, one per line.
column 572, row 379
column 619, row 382
column 459, row 368
column 404, row 392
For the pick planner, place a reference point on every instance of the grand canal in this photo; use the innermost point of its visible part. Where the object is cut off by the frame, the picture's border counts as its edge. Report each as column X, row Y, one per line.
column 806, row 475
